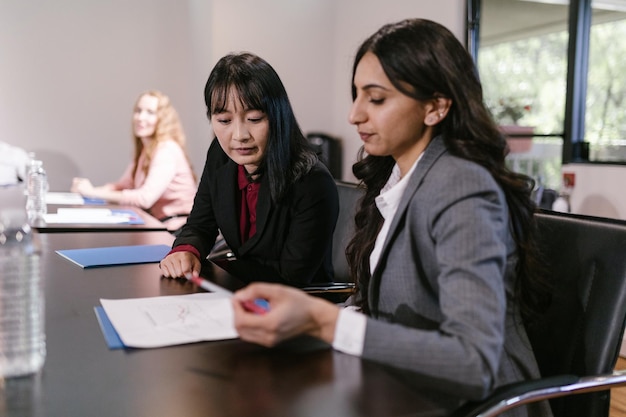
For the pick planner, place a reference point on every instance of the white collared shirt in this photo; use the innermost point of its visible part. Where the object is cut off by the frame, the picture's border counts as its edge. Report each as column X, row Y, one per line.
column 350, row 327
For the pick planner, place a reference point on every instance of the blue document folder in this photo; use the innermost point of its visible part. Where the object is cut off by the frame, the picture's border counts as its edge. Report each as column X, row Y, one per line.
column 108, row 331
column 115, row 255
column 94, row 201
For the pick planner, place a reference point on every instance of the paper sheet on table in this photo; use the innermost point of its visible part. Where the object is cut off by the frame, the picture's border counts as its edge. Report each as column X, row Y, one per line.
column 75, row 199
column 171, row 320
column 64, row 198
column 93, row 215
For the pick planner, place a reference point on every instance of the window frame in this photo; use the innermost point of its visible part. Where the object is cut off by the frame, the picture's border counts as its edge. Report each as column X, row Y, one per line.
column 579, row 29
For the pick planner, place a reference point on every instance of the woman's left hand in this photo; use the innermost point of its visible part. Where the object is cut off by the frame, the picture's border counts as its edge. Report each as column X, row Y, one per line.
column 291, row 313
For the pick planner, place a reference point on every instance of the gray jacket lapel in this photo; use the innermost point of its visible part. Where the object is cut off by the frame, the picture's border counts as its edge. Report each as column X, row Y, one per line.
column 435, row 149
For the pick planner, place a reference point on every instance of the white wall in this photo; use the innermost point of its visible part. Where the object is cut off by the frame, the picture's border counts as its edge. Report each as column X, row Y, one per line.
column 70, row 70
column 354, row 21
column 597, row 190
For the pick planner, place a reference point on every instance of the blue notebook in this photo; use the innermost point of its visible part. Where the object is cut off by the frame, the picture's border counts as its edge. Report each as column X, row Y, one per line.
column 131, row 215
column 94, row 201
column 115, row 255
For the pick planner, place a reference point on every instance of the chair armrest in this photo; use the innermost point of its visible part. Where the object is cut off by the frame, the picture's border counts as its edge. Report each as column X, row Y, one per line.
column 515, row 395
column 335, row 292
column 347, row 287
column 224, row 254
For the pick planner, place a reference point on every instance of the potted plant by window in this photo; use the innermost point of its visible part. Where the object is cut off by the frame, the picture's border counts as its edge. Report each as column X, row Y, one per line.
column 508, row 112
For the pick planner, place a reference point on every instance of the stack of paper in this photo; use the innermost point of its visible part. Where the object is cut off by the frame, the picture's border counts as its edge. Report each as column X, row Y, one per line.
column 93, row 216
column 54, row 197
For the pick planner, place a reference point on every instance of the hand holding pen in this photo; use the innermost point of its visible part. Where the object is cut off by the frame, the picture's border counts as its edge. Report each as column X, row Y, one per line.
column 291, row 313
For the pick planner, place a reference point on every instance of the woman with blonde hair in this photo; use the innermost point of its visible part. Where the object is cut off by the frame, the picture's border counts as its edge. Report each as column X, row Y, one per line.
column 160, row 178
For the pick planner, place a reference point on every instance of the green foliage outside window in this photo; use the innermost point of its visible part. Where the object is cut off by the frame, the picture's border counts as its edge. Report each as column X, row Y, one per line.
column 606, row 92
column 530, row 72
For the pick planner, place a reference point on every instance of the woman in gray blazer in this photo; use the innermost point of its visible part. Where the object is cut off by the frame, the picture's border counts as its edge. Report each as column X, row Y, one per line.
column 443, row 253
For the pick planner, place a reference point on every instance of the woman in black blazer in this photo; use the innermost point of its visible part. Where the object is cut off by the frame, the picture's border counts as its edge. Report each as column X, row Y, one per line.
column 263, row 188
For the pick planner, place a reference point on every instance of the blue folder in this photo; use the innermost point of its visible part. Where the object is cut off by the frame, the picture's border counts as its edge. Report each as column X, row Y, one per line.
column 111, row 337
column 115, row 255
column 94, row 201
column 133, row 217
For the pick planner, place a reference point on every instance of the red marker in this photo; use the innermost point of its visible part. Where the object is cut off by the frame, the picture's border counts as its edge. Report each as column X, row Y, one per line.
column 258, row 306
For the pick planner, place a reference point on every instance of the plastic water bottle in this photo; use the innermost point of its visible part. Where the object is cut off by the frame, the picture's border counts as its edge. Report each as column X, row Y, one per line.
column 29, row 163
column 22, row 333
column 36, row 190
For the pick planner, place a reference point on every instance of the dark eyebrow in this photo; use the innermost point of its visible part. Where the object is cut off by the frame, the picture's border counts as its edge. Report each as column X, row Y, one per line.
column 372, row 86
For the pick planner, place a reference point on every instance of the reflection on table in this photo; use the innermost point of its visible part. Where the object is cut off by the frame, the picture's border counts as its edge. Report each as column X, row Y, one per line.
column 82, row 377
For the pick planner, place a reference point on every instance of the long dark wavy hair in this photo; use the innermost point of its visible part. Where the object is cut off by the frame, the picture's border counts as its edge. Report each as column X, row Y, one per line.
column 288, row 155
column 424, row 60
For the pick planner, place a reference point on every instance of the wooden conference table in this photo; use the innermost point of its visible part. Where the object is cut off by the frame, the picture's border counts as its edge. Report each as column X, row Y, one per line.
column 83, row 377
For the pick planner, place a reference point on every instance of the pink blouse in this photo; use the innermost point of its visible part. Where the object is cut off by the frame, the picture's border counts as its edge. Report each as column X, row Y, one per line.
column 167, row 190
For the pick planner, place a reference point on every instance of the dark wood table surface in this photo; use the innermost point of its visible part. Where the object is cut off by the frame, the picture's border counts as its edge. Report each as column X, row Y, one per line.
column 83, row 377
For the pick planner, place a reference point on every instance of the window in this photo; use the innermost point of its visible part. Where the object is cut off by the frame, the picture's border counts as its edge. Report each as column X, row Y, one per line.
column 547, row 70
column 605, row 118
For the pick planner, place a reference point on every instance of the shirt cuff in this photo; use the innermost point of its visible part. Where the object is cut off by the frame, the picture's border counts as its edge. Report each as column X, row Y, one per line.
column 350, row 332
column 185, row 248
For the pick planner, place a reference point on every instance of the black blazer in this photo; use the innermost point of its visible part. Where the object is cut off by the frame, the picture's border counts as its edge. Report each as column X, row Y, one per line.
column 293, row 239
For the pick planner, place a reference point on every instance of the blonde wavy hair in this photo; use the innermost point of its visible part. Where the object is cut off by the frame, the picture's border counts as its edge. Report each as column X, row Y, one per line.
column 168, row 127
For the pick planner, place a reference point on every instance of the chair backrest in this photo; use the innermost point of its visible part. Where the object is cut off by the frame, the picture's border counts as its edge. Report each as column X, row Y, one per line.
column 349, row 196
column 581, row 333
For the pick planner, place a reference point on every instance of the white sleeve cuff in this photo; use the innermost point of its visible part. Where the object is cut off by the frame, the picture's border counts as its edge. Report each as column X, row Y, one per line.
column 350, row 332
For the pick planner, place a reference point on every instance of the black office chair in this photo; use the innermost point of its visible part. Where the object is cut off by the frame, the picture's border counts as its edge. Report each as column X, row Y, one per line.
column 342, row 286
column 577, row 341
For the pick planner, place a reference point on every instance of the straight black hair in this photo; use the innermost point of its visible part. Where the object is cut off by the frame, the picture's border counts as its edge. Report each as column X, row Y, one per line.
column 288, row 155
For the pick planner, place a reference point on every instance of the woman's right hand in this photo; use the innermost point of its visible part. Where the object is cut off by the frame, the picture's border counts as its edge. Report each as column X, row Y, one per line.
column 81, row 185
column 291, row 312
column 180, row 265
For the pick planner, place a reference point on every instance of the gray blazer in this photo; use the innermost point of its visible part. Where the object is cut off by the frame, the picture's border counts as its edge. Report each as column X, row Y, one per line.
column 439, row 294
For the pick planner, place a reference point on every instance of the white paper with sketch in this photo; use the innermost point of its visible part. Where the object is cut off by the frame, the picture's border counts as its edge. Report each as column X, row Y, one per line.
column 171, row 320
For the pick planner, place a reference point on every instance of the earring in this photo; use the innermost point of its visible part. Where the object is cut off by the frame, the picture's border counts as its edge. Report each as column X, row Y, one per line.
column 440, row 114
